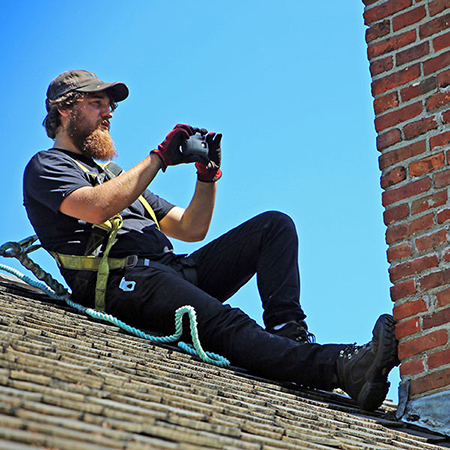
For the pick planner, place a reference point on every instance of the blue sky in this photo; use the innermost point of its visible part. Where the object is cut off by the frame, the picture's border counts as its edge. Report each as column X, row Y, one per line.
column 288, row 85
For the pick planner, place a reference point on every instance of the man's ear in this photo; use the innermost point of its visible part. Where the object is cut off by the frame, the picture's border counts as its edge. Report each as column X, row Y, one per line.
column 64, row 112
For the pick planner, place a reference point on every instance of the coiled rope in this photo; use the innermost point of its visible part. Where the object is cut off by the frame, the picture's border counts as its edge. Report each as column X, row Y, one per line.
column 56, row 290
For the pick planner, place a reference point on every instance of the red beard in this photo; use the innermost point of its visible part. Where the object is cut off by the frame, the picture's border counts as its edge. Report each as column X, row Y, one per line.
column 95, row 143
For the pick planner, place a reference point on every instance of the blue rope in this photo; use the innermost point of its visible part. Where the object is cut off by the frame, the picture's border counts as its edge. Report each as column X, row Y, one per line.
column 195, row 349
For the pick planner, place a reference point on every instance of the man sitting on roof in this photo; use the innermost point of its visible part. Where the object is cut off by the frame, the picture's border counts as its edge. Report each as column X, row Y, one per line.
column 82, row 210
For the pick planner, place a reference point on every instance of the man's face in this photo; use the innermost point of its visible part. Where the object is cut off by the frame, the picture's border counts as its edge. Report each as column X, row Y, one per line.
column 88, row 126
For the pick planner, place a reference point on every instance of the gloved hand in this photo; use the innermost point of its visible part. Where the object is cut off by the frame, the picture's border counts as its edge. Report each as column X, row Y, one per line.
column 211, row 172
column 169, row 150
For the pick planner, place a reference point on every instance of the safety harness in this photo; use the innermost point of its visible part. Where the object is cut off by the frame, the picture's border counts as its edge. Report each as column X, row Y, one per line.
column 105, row 232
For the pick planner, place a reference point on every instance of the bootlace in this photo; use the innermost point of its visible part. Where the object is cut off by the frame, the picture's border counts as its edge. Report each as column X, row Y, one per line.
column 350, row 350
column 306, row 336
column 298, row 331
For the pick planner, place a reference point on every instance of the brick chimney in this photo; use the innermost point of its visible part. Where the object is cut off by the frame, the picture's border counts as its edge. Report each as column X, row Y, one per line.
column 409, row 54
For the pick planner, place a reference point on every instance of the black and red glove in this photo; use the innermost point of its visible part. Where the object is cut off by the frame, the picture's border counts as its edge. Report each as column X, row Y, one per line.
column 211, row 172
column 169, row 150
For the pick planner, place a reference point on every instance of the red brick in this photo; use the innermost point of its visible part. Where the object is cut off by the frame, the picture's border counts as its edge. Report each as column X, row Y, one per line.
column 421, row 224
column 399, row 252
column 417, row 89
column 443, row 216
column 397, row 233
column 437, row 319
column 440, row 140
column 391, row 44
column 393, row 118
column 443, row 79
column 437, row 101
column 412, row 367
column 414, row 267
column 435, row 64
column 446, row 255
column 384, row 10
column 443, row 298
column 385, row 140
column 434, row 280
column 396, row 79
column 393, row 177
column 434, row 26
column 395, row 213
column 438, row 6
column 441, row 179
column 441, row 42
column 402, row 290
column 429, row 202
column 412, row 54
column 430, row 382
column 401, row 154
column 409, row 190
column 427, row 165
column 409, row 309
column 439, row 359
column 400, row 232
column 412, row 16
column 431, row 241
column 385, row 102
column 446, row 116
column 421, row 344
column 381, row 65
column 420, row 127
column 407, row 328
column 378, row 30
column 369, row 2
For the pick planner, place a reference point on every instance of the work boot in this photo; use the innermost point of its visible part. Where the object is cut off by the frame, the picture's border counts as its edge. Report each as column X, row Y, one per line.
column 295, row 330
column 362, row 371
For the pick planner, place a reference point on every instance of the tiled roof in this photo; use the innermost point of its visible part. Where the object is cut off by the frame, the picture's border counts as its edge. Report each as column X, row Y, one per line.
column 68, row 382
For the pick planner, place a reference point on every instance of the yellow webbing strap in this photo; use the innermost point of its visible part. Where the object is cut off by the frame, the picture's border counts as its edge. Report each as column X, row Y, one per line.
column 103, row 268
column 149, row 209
column 141, row 198
column 91, row 263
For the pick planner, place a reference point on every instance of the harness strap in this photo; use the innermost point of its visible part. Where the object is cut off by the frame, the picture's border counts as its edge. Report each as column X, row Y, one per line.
column 149, row 209
column 91, row 263
column 103, row 268
column 113, row 170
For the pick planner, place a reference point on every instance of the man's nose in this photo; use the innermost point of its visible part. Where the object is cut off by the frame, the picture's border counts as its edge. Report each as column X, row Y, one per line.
column 106, row 113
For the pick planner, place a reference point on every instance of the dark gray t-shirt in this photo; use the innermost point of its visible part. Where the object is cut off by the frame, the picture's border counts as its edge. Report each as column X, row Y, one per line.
column 52, row 175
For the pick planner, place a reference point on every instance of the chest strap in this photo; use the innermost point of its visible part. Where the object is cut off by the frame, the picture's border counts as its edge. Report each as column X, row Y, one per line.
column 112, row 170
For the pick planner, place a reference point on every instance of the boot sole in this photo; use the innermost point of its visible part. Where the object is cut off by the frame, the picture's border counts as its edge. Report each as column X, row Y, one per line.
column 376, row 387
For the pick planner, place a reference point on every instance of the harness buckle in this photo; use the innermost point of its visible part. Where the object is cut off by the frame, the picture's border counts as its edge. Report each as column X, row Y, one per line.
column 131, row 261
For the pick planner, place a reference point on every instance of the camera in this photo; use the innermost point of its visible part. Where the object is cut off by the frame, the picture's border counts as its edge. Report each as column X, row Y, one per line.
column 195, row 149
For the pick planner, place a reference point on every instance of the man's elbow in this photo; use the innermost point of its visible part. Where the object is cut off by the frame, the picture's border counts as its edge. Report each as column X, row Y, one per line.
column 195, row 235
column 96, row 216
column 99, row 216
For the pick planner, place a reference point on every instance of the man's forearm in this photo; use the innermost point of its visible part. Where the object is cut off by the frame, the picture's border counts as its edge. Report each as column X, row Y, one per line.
column 198, row 214
column 191, row 224
column 98, row 203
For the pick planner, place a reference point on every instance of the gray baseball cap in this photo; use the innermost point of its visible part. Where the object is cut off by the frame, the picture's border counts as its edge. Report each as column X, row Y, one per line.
column 84, row 81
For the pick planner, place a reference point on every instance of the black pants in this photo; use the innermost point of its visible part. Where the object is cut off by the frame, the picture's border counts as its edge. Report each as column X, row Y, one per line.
column 266, row 246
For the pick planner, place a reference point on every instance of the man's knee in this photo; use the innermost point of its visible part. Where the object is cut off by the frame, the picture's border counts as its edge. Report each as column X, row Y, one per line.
column 278, row 219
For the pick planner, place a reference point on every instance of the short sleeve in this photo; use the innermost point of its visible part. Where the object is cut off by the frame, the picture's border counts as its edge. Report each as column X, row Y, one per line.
column 50, row 177
column 160, row 206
